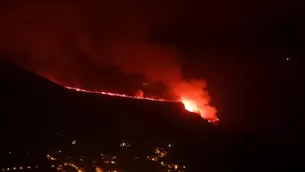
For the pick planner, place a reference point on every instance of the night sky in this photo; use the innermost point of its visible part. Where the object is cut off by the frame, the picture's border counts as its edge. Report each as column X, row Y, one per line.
column 239, row 47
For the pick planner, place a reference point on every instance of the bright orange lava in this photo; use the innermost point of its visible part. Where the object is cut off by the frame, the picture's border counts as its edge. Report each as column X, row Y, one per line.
column 204, row 112
column 190, row 106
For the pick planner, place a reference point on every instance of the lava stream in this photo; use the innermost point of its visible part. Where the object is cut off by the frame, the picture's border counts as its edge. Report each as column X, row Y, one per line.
column 117, row 94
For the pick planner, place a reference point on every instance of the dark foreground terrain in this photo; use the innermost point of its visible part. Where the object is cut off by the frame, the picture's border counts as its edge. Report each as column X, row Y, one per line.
column 40, row 118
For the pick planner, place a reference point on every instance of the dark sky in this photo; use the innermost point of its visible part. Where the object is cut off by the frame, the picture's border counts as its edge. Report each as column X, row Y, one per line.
column 239, row 47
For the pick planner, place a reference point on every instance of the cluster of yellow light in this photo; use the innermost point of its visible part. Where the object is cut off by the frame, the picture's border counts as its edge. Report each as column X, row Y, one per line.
column 74, row 166
column 18, row 168
column 59, row 168
column 161, row 153
column 124, row 144
column 50, row 157
column 116, row 94
column 157, row 157
column 109, row 162
column 98, row 169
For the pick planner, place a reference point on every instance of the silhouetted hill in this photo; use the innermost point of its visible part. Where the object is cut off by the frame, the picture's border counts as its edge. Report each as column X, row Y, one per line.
column 35, row 109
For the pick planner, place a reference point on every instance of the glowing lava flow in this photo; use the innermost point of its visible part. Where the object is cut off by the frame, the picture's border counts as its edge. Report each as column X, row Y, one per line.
column 117, row 95
column 188, row 104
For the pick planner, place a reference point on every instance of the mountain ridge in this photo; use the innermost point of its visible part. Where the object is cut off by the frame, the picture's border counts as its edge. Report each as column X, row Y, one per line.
column 34, row 109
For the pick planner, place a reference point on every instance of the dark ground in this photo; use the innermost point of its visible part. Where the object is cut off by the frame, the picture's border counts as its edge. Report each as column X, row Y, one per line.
column 34, row 110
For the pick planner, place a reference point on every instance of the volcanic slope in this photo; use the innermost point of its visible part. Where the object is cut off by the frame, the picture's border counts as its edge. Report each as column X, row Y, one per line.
column 34, row 108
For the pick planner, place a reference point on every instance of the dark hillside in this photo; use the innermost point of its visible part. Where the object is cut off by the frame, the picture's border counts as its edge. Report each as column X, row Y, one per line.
column 34, row 110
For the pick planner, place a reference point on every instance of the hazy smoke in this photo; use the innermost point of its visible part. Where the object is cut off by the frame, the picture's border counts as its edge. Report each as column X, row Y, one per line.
column 74, row 42
column 58, row 37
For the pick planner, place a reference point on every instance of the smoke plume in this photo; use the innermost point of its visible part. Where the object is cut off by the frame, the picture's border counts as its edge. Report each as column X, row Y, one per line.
column 76, row 43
